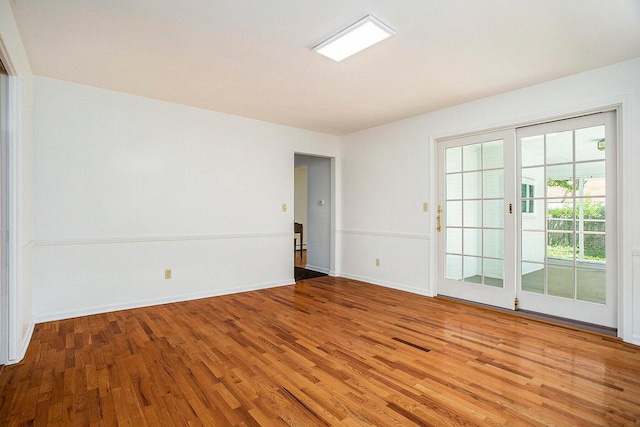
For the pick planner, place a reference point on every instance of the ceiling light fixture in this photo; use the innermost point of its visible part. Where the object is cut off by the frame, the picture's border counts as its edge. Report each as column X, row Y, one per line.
column 356, row 37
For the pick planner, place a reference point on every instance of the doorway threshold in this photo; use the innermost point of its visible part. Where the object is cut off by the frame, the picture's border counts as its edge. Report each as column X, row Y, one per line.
column 556, row 320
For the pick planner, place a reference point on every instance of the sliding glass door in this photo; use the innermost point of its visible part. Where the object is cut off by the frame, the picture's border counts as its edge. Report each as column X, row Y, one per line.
column 567, row 222
column 529, row 213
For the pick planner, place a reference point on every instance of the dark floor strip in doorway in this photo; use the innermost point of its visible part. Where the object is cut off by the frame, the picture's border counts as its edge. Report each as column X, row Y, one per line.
column 303, row 274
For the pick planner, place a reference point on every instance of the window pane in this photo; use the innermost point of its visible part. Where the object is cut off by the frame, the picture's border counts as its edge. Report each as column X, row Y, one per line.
column 472, row 241
column 492, row 156
column 595, row 249
column 592, row 177
column 533, row 277
column 560, row 281
column 533, row 247
column 494, row 184
column 472, row 213
column 493, row 213
column 453, row 157
column 591, row 285
column 534, row 177
column 560, row 215
column 559, row 147
column 533, row 150
column 560, row 248
column 527, row 192
column 560, row 181
column 536, row 221
column 472, row 185
column 454, row 267
column 471, row 157
column 454, row 240
column 494, row 272
column 454, row 214
column 594, row 209
column 493, row 243
column 472, row 269
column 590, row 143
column 454, row 186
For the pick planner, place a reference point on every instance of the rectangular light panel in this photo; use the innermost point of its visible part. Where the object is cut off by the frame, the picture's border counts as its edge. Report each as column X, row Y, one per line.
column 364, row 33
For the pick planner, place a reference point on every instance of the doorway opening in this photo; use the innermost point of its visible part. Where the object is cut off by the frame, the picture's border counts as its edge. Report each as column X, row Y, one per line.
column 313, row 216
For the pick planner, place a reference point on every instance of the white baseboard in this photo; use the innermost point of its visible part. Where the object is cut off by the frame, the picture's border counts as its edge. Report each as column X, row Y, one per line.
column 317, row 269
column 386, row 284
column 157, row 301
column 635, row 339
column 24, row 345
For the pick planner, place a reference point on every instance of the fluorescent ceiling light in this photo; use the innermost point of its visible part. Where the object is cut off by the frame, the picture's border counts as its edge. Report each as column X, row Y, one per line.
column 364, row 33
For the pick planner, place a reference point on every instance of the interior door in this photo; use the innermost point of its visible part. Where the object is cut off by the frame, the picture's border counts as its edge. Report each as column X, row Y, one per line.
column 567, row 225
column 476, row 218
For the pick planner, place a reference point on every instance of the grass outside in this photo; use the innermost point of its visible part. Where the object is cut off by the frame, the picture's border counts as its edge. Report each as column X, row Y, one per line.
column 591, row 253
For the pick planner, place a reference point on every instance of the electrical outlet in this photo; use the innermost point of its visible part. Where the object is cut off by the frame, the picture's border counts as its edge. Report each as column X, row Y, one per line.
column 425, row 207
column 167, row 273
column 377, row 262
column 284, row 207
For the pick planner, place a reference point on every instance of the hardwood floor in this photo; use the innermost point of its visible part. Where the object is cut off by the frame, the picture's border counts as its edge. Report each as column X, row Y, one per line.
column 323, row 352
column 300, row 259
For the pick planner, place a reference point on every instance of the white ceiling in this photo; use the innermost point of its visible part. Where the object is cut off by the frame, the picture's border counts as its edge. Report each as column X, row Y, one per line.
column 253, row 58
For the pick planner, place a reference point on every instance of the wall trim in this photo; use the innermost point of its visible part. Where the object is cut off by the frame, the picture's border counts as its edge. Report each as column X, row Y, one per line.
column 100, row 309
column 154, row 239
column 26, row 340
column 635, row 252
column 318, row 269
column 386, row 234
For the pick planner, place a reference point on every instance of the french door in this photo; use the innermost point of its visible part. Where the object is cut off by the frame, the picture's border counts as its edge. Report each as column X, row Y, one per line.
column 529, row 213
column 568, row 226
column 475, row 218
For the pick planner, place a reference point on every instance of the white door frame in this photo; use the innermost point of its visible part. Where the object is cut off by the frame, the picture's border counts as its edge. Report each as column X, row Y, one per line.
column 11, row 347
column 622, row 107
column 333, row 244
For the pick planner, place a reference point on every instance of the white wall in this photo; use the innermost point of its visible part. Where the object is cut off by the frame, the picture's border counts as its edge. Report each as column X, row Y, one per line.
column 126, row 187
column 386, row 180
column 16, row 318
column 319, row 226
column 387, row 174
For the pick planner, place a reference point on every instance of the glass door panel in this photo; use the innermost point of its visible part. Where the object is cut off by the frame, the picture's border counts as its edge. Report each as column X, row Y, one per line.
column 566, row 188
column 472, row 213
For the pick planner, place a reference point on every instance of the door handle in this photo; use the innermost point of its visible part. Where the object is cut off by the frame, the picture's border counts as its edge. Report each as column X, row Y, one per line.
column 439, row 226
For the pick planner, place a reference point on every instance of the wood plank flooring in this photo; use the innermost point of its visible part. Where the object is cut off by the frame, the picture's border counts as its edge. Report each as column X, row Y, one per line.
column 323, row 352
column 300, row 259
